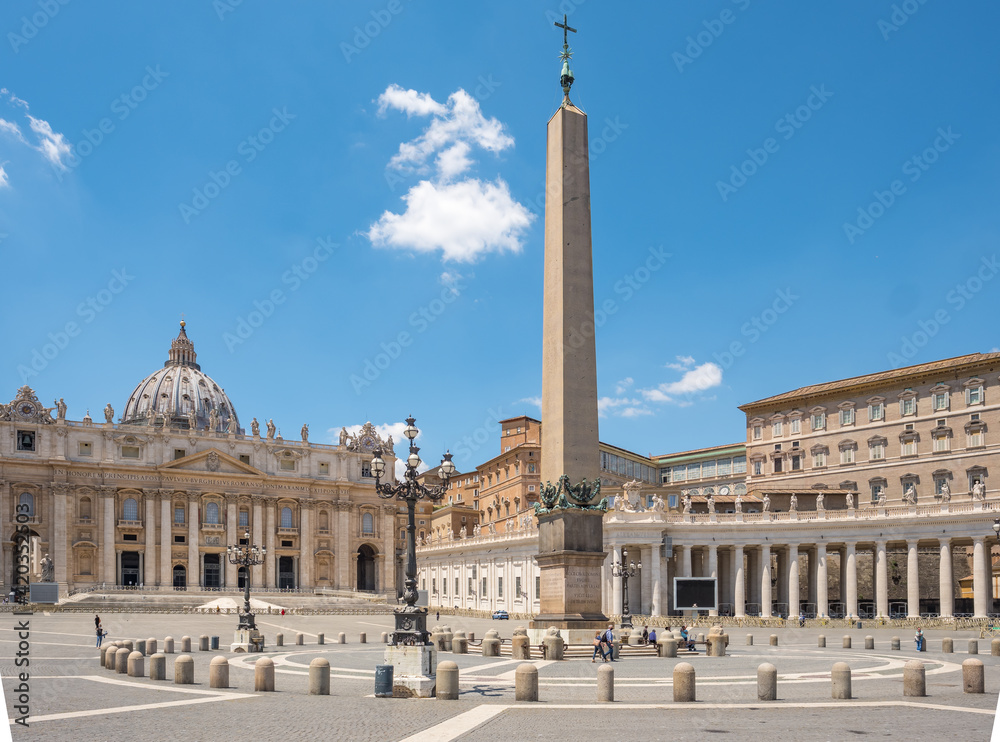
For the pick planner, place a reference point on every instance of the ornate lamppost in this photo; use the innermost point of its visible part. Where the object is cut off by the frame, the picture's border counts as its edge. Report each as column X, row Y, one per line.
column 247, row 555
column 411, row 621
column 624, row 570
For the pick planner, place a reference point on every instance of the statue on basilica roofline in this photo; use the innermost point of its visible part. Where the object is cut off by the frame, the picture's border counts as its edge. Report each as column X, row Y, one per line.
column 658, row 506
column 850, row 501
column 60, row 409
column 687, row 503
column 109, row 413
column 232, row 427
column 881, row 499
column 305, row 433
column 48, row 569
column 793, row 503
column 270, row 429
column 213, row 420
column 766, row 503
column 978, row 490
column 255, row 427
column 820, row 497
column 344, row 436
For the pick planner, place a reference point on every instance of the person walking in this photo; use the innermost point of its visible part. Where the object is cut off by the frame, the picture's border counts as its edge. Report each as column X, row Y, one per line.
column 598, row 647
column 97, row 621
column 609, row 640
column 652, row 637
column 919, row 639
column 101, row 633
column 645, row 635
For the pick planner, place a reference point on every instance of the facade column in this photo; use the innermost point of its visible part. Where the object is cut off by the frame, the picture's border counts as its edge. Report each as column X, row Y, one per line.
column 194, row 563
column 912, row 581
column 108, row 573
column 765, row 581
column 780, row 577
column 59, row 545
column 388, row 586
column 149, row 553
column 257, row 519
column 946, row 581
column 881, row 580
column 307, row 550
column 739, row 590
column 713, row 571
column 822, row 583
column 342, row 545
column 616, row 585
column 231, row 579
column 166, row 537
column 654, row 581
column 793, row 581
column 753, row 575
column 813, row 577
column 851, row 571
column 271, row 560
column 979, row 577
column 686, row 561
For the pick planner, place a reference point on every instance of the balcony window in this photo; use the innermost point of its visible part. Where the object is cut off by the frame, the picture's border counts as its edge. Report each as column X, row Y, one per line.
column 286, row 518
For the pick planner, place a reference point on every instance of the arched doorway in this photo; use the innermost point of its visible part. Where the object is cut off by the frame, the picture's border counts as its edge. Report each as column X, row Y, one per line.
column 130, row 568
column 180, row 578
column 366, row 568
column 286, row 573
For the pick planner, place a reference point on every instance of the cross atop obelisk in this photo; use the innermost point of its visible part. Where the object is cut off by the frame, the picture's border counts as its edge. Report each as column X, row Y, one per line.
column 566, row 76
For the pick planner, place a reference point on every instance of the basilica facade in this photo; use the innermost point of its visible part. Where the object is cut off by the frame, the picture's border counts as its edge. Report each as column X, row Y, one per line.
column 153, row 498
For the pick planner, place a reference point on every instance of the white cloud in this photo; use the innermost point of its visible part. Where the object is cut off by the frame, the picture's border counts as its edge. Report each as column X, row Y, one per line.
column 4, row 180
column 624, row 385
column 635, row 412
column 697, row 379
column 536, row 401
column 464, row 220
column 655, row 395
column 51, row 144
column 9, row 127
column 683, row 363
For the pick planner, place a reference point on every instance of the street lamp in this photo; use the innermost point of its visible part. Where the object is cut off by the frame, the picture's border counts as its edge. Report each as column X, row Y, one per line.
column 247, row 556
column 625, row 569
column 411, row 621
column 996, row 528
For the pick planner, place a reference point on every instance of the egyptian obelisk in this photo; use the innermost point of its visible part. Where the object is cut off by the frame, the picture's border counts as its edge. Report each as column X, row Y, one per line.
column 570, row 511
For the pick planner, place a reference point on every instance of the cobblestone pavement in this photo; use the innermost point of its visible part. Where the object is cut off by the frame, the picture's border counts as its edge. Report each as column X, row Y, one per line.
column 73, row 698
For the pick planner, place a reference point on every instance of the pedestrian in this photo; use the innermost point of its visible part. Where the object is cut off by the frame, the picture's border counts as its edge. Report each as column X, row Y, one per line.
column 598, row 642
column 652, row 637
column 686, row 637
column 645, row 635
column 437, row 616
column 101, row 633
column 609, row 640
column 97, row 621
column 282, row 611
column 919, row 639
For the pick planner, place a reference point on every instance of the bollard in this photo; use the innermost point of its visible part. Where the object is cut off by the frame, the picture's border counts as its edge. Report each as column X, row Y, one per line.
column 203, row 643
column 973, row 646
column 140, row 646
column 300, row 639
column 894, row 643
column 767, row 682
column 554, row 645
column 520, row 644
column 383, row 681
column 213, row 643
column 668, row 648
column 279, row 640
column 525, row 682
column 341, row 638
column 914, row 679
column 841, row 680
column 869, row 642
column 459, row 643
column 136, row 664
column 184, row 670
column 129, row 644
column 218, row 673
column 847, row 641
column 448, row 637
column 605, row 684
column 995, row 647
column 716, row 646
column 158, row 667
column 185, row 643
column 104, row 655
column 385, row 637
column 447, row 681
column 121, row 660
column 701, row 637
column 168, row 645
column 491, row 644
column 749, row 640
column 319, row 677
column 321, row 638
column 363, row 638
column 947, row 646
column 109, row 657
column 973, row 679
column 263, row 674
column 684, row 683
column 821, row 641
column 150, row 646
column 774, row 640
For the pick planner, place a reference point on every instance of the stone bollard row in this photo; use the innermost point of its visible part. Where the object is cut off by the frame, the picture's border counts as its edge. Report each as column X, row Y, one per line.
column 140, row 646
column 821, row 641
column 973, row 677
column 184, row 670
column 554, row 646
column 667, row 648
column 203, row 643
column 869, row 642
column 218, row 673
column 460, row 644
column 840, row 678
column 168, row 645
column 158, row 666
column 525, row 682
column 973, row 646
column 321, row 638
column 491, row 644
column 185, row 643
column 300, row 639
column 341, row 638
column 947, row 646
column 136, row 664
column 130, row 645
column 520, row 644
column 121, row 660
column 767, row 682
column 104, row 655
column 363, row 638
column 150, row 646
column 914, row 679
column 894, row 643
column 319, row 677
column 109, row 657
column 684, row 691
column 605, row 684
column 447, row 681
column 847, row 641
column 263, row 674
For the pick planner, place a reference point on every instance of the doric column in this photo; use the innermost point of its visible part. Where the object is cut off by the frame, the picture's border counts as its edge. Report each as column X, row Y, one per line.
column 686, row 561
column 780, row 577
column 232, row 538
column 194, row 530
column 793, row 580
column 108, row 573
column 912, row 581
column 257, row 572
column 166, row 537
column 616, row 601
column 271, row 560
column 654, row 580
column 149, row 553
column 813, row 577
column 343, row 544
column 307, row 551
column 881, row 580
column 59, row 545
column 822, row 582
column 765, row 581
column 739, row 591
column 851, row 571
column 979, row 587
column 713, row 570
column 753, row 575
column 946, row 583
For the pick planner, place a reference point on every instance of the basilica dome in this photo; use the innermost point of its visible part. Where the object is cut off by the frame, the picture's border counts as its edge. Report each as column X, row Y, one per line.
column 180, row 395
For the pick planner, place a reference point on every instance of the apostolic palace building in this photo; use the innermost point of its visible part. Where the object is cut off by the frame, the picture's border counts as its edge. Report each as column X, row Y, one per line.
column 153, row 498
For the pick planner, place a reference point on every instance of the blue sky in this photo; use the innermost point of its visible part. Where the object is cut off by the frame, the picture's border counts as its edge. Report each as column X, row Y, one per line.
column 343, row 200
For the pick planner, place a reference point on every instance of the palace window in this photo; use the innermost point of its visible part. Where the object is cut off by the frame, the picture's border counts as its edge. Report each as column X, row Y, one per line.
column 939, row 401
column 847, row 456
column 776, row 428
column 500, row 587
column 939, row 484
column 819, row 459
column 212, row 513
column 758, row 432
column 85, row 508
column 819, row 420
column 130, row 509
column 876, row 411
column 974, row 393
column 26, row 504
column 179, row 515
column 941, row 442
column 740, row 465
column 758, row 468
column 876, row 450
column 777, row 465
column 975, row 438
column 367, row 524
column 909, row 448
column 286, row 518
column 878, row 487
column 847, row 416
column 796, row 425
column 244, row 518
column 908, row 406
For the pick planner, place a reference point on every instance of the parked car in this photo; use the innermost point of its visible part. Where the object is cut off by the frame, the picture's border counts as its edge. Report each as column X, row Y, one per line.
column 500, row 616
